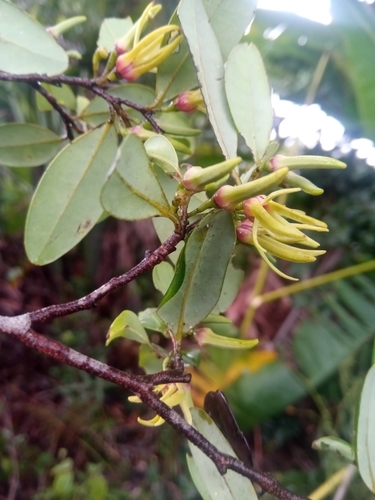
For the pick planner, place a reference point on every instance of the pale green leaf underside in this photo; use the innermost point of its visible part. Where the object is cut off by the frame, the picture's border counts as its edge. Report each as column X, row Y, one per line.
column 127, row 325
column 25, row 46
column 162, row 153
column 205, row 272
column 229, row 21
column 111, row 30
column 133, row 192
column 27, row 145
column 365, row 445
column 66, row 203
column 208, row 60
column 231, row 486
column 249, row 97
column 162, row 275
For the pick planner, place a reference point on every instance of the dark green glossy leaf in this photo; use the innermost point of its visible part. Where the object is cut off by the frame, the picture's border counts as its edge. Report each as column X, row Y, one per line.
column 128, row 326
column 249, row 97
column 204, row 274
column 209, row 62
column 26, row 145
column 66, row 203
column 25, row 46
column 133, row 192
column 365, row 444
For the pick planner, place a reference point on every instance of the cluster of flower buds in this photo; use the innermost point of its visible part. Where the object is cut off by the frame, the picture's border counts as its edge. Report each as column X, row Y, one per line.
column 171, row 394
column 137, row 56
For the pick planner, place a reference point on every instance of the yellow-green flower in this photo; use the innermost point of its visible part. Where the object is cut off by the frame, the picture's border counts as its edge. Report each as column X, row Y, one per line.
column 267, row 228
column 147, row 54
column 171, row 394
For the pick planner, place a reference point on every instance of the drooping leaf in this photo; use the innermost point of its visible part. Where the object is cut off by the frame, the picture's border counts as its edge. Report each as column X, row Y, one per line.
column 177, row 73
column 97, row 111
column 206, row 336
column 229, row 20
column 231, row 486
column 209, row 62
column 249, row 97
column 66, row 203
column 25, row 46
column 63, row 94
column 365, row 444
column 128, row 326
column 336, row 445
column 133, row 192
column 27, row 145
column 111, row 30
column 162, row 275
column 204, row 273
column 163, row 154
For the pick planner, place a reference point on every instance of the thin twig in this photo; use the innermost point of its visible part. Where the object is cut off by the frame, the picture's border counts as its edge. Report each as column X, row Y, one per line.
column 67, row 119
column 87, row 83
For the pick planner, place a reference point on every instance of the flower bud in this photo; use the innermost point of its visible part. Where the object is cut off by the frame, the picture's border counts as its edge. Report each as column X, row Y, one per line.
column 228, row 197
column 295, row 180
column 300, row 162
column 244, row 232
column 189, row 101
column 196, row 178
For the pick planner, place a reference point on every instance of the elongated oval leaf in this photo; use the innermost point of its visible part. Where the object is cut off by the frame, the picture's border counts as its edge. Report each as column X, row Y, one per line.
column 66, row 203
column 231, row 486
column 337, row 445
column 133, row 191
column 204, row 272
column 209, row 63
column 162, row 275
column 163, row 154
column 25, row 46
column 26, row 145
column 127, row 325
column 365, row 445
column 249, row 97
column 229, row 20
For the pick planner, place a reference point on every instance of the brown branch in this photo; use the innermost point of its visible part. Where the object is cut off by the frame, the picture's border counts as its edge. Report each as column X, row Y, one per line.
column 88, row 83
column 67, row 119
column 18, row 329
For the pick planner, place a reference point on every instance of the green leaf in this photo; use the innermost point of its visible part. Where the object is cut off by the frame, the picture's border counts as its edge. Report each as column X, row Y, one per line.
column 66, row 203
column 162, row 275
column 150, row 320
column 25, row 46
column 231, row 486
column 204, row 274
column 229, row 20
column 133, row 192
column 177, row 73
column 149, row 361
column 337, row 445
column 232, row 282
column 26, row 145
column 249, row 97
column 97, row 111
column 127, row 325
column 197, row 477
column 65, row 25
column 111, row 30
column 162, row 153
column 365, row 443
column 64, row 96
column 208, row 60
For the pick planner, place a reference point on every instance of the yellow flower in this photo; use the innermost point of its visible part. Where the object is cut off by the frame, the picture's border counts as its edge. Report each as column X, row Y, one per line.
column 268, row 229
column 171, row 394
column 147, row 54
